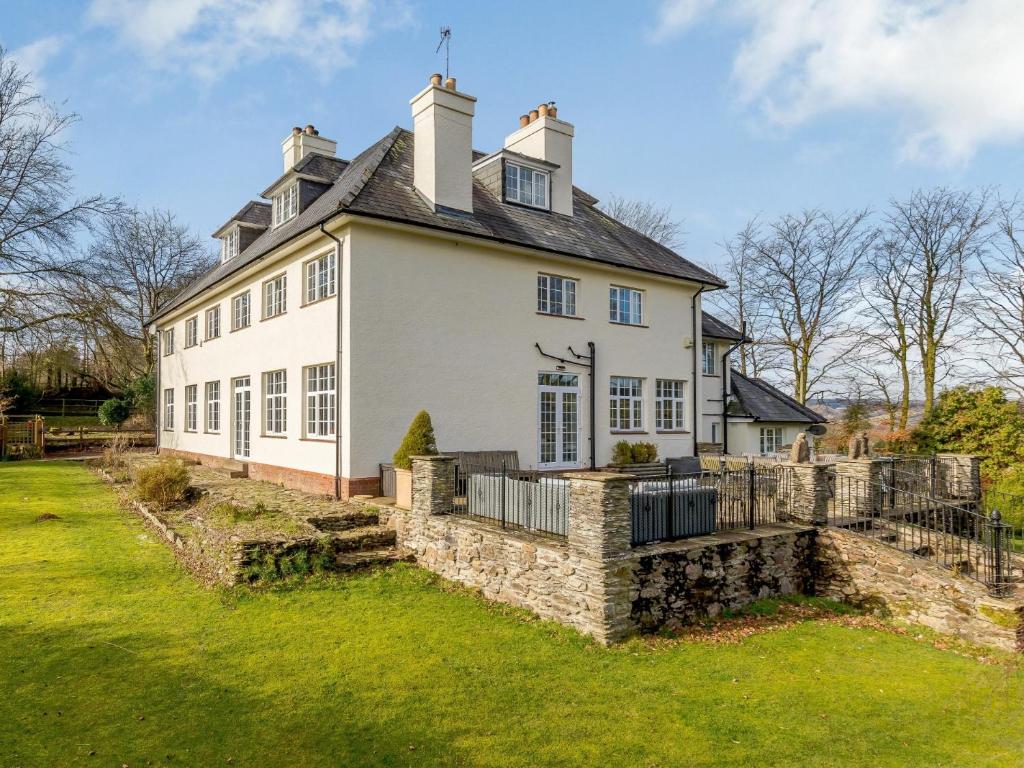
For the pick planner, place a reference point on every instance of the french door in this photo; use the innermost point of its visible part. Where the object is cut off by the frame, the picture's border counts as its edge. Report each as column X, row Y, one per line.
column 242, row 416
column 558, row 420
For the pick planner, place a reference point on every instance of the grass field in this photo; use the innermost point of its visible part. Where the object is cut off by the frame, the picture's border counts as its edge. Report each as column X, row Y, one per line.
column 111, row 655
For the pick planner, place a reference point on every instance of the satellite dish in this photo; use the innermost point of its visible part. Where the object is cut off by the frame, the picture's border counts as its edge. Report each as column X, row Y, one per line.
column 817, row 430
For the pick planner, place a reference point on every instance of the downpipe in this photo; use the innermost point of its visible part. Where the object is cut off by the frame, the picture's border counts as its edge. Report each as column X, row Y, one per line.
column 337, row 361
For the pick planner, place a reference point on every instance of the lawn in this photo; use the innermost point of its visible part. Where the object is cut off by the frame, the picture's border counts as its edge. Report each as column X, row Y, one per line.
column 111, row 655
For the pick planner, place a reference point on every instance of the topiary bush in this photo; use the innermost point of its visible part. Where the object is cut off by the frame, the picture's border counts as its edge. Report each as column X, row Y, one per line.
column 165, row 483
column 419, row 441
column 114, row 412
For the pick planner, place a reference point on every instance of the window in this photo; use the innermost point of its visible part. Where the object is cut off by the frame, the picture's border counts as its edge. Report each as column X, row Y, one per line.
column 669, row 412
column 708, row 351
column 213, row 322
column 320, row 400
column 627, row 404
column 526, row 185
column 240, row 311
column 213, row 406
column 275, row 298
column 229, row 245
column 168, row 409
column 320, row 278
column 286, row 204
column 275, row 389
column 771, row 439
column 556, row 295
column 191, row 407
column 169, row 341
column 626, row 305
column 191, row 332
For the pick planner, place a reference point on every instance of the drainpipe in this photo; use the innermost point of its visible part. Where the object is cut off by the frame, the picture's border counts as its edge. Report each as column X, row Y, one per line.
column 696, row 370
column 158, row 395
column 725, row 390
column 337, row 362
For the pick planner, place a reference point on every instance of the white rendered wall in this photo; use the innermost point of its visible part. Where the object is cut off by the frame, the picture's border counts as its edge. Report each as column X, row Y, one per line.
column 745, row 437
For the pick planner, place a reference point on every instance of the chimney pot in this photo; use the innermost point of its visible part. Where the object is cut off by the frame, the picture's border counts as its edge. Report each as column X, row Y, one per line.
column 450, row 83
column 524, row 120
column 435, row 79
column 296, row 131
column 542, row 110
column 552, row 109
column 310, row 130
column 534, row 114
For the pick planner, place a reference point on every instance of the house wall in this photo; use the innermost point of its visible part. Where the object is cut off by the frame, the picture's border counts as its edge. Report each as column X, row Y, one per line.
column 449, row 326
column 745, row 436
column 711, row 393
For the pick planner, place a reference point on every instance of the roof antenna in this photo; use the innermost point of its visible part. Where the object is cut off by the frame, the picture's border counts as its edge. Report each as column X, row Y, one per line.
column 446, row 41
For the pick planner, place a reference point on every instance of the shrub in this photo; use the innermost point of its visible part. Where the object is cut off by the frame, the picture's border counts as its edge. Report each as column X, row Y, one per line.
column 419, row 441
column 164, row 483
column 625, row 452
column 113, row 412
column 622, row 452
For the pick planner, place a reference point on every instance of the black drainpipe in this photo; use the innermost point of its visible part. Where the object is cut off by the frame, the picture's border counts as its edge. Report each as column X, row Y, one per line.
column 725, row 391
column 158, row 395
column 696, row 369
column 337, row 362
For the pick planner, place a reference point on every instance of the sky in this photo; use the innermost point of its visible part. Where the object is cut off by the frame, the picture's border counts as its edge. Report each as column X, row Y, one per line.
column 721, row 110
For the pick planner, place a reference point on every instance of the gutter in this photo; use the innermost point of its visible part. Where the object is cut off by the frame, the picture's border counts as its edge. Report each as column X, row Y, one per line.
column 727, row 376
column 696, row 412
column 337, row 361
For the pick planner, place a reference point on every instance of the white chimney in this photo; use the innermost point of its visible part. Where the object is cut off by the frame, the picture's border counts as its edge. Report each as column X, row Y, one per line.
column 543, row 136
column 305, row 141
column 443, row 145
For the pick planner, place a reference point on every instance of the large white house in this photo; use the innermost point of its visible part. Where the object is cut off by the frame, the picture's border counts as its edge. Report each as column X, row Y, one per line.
column 481, row 286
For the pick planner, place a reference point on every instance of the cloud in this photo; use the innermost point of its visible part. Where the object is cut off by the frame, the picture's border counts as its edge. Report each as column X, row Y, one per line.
column 945, row 71
column 210, row 38
column 33, row 57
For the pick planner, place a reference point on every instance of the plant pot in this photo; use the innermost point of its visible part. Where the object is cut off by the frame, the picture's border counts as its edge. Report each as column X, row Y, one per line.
column 403, row 488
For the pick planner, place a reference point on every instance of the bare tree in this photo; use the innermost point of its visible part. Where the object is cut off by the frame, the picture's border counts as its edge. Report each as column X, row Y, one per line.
column 804, row 269
column 935, row 235
column 649, row 219
column 39, row 219
column 139, row 260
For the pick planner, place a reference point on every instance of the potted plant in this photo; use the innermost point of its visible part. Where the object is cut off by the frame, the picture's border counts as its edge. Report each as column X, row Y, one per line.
column 419, row 441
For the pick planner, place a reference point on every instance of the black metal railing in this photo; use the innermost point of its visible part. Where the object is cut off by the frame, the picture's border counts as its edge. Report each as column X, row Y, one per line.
column 972, row 544
column 1011, row 509
column 387, row 480
column 682, row 506
column 522, row 499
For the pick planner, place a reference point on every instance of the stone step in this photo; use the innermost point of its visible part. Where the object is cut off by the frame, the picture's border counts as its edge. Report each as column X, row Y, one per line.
column 232, row 469
column 368, row 537
column 344, row 522
column 351, row 561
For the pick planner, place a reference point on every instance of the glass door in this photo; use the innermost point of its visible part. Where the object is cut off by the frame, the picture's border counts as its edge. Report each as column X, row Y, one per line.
column 558, row 427
column 242, row 416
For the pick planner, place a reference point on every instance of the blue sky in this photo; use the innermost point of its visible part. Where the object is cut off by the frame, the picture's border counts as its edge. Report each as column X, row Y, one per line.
column 721, row 110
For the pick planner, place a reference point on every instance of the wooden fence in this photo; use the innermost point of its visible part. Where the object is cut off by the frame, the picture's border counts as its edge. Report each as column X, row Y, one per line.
column 22, row 437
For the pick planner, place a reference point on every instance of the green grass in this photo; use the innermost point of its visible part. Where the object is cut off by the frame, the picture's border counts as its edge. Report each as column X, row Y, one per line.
column 106, row 646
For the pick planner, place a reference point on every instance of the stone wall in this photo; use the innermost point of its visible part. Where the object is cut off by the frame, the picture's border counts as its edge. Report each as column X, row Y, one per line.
column 860, row 571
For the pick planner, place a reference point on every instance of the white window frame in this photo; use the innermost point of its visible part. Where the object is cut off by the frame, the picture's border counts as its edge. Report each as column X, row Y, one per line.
column 192, row 331
column 320, row 276
column 774, row 435
column 320, row 387
column 670, row 405
column 625, row 305
column 212, row 399
column 168, row 342
column 275, row 296
column 243, row 300
column 556, row 295
column 168, row 424
column 191, row 407
column 709, row 364
column 629, row 390
column 275, row 402
column 521, row 186
column 286, row 204
column 229, row 244
column 213, row 323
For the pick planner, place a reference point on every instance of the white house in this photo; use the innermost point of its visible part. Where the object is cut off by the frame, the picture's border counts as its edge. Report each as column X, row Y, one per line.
column 421, row 274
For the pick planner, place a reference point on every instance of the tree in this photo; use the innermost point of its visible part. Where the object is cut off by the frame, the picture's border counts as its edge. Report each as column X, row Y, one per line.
column 802, row 269
column 935, row 235
column 419, row 441
column 39, row 220
column 114, row 412
column 855, row 419
column 649, row 219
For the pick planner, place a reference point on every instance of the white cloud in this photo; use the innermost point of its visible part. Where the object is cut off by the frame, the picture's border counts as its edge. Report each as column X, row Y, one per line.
column 946, row 71
column 212, row 37
column 33, row 57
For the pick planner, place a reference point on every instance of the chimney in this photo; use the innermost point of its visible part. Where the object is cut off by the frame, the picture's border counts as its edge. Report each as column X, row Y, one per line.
column 305, row 141
column 543, row 136
column 443, row 145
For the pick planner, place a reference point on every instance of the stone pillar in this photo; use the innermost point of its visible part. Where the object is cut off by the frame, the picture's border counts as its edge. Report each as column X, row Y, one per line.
column 433, row 485
column 961, row 474
column 858, row 483
column 598, row 530
column 808, row 494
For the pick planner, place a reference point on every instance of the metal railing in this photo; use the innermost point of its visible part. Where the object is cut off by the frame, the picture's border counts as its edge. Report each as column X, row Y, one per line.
column 520, row 499
column 386, row 473
column 682, row 506
column 1011, row 509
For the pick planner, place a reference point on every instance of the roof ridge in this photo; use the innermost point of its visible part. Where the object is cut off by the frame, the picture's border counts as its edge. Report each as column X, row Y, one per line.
column 377, row 152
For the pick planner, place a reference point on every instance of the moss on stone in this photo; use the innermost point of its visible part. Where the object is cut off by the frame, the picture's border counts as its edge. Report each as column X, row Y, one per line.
column 1001, row 617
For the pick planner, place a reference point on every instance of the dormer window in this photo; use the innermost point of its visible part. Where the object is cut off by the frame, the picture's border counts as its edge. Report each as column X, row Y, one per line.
column 286, row 204
column 526, row 186
column 229, row 245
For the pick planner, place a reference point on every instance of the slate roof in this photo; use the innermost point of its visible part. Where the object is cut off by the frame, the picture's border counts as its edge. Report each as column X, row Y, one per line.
column 378, row 183
column 761, row 401
column 714, row 328
column 253, row 212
